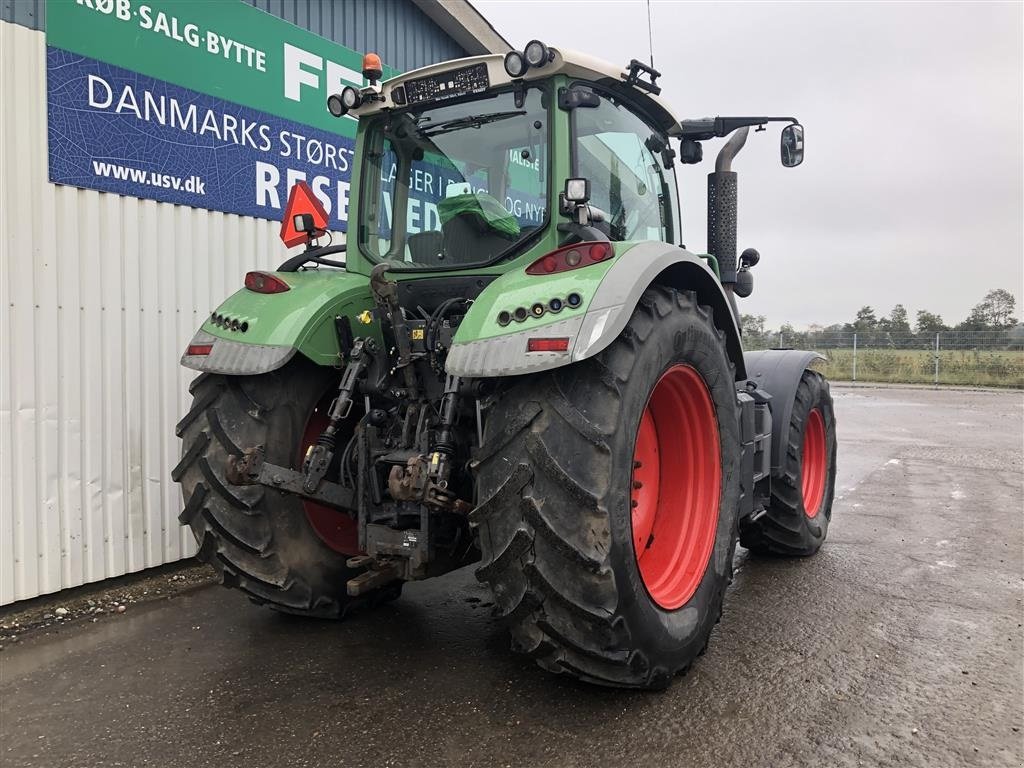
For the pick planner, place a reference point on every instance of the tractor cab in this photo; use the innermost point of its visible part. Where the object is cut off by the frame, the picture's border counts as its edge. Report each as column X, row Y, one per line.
column 462, row 165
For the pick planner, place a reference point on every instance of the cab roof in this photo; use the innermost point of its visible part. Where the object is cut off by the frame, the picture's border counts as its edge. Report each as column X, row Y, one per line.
column 566, row 62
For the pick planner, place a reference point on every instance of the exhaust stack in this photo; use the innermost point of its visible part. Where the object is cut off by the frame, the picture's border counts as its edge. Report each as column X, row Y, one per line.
column 722, row 209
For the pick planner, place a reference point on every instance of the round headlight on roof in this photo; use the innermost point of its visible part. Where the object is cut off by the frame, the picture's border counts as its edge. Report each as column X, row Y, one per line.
column 536, row 53
column 515, row 65
column 335, row 105
column 349, row 97
column 339, row 104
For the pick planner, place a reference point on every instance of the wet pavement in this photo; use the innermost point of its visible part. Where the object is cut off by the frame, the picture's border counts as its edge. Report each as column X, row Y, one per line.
column 899, row 644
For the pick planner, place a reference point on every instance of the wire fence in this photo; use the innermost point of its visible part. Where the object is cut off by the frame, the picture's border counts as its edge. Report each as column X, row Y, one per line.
column 993, row 358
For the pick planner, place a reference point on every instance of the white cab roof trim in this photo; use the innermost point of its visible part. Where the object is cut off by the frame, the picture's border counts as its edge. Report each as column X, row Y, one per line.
column 567, row 62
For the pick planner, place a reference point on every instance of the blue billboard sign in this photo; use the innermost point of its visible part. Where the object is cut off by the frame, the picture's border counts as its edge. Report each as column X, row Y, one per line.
column 120, row 131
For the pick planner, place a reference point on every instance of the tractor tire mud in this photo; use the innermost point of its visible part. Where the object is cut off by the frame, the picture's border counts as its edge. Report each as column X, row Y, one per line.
column 555, row 478
column 259, row 540
column 796, row 520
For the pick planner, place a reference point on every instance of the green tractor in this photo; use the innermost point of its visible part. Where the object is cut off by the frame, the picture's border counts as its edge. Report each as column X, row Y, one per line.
column 516, row 365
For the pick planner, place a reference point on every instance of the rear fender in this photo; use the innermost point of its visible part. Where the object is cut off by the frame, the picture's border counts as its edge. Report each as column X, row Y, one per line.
column 279, row 325
column 778, row 372
column 610, row 294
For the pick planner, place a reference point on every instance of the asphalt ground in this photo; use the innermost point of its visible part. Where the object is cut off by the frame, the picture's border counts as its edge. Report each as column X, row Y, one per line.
column 899, row 644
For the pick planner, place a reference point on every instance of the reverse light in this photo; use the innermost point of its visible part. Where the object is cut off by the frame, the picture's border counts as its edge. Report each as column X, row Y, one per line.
column 548, row 345
column 199, row 349
column 577, row 190
column 264, row 282
column 571, row 257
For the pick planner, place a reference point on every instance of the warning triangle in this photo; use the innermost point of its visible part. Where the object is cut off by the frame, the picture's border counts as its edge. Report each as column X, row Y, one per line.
column 301, row 200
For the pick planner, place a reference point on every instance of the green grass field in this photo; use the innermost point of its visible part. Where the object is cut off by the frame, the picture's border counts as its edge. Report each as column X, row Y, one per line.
column 917, row 366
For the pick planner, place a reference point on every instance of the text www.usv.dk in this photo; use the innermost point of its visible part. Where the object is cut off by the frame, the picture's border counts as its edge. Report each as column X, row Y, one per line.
column 192, row 184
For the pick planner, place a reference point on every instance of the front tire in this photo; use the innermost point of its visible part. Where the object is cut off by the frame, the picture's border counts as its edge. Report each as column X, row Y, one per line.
column 563, row 520
column 796, row 520
column 279, row 550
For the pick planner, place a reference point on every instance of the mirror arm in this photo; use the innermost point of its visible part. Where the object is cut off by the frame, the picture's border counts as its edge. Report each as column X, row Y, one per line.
column 720, row 127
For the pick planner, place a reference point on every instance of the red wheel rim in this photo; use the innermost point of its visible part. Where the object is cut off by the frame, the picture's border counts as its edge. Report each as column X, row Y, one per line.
column 813, row 463
column 335, row 528
column 676, row 485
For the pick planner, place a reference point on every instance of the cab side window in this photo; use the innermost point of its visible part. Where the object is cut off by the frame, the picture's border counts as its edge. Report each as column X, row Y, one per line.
column 627, row 181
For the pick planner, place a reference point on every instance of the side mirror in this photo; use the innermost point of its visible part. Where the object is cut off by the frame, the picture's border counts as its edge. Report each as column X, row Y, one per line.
column 792, row 145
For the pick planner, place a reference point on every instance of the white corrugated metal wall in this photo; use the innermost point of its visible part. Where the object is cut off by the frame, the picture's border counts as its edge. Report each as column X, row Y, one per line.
column 100, row 294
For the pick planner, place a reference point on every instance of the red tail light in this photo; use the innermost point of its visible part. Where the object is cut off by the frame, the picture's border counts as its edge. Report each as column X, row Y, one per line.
column 199, row 349
column 571, row 257
column 548, row 345
column 264, row 282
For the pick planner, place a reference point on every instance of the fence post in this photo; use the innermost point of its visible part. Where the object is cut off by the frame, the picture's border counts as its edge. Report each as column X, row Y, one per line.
column 855, row 356
column 936, row 359
column 780, row 339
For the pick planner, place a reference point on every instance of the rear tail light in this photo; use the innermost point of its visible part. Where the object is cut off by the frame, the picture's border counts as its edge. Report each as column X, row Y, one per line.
column 571, row 257
column 264, row 282
column 199, row 349
column 548, row 345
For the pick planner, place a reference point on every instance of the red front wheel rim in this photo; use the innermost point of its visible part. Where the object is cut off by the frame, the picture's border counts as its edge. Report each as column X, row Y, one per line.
column 336, row 529
column 814, row 463
column 676, row 485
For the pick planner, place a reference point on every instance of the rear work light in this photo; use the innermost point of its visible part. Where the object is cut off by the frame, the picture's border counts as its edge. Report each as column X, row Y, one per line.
column 548, row 345
column 199, row 349
column 264, row 282
column 571, row 257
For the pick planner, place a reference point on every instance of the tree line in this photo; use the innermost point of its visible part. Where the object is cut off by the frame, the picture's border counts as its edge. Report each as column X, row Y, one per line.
column 991, row 324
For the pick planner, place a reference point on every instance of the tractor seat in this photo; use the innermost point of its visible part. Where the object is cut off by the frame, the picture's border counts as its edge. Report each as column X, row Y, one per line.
column 426, row 247
column 475, row 226
column 467, row 237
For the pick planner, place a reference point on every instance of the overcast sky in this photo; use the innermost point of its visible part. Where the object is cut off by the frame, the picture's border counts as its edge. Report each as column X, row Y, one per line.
column 911, row 189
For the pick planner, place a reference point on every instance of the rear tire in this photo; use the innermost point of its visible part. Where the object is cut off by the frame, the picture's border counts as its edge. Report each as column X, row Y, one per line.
column 556, row 473
column 797, row 518
column 260, row 540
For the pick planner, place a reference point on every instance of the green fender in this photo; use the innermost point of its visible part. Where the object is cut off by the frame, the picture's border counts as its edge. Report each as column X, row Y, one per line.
column 609, row 291
column 272, row 327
